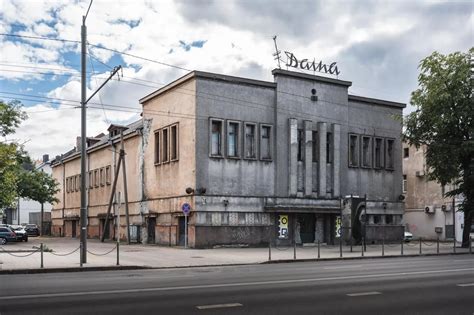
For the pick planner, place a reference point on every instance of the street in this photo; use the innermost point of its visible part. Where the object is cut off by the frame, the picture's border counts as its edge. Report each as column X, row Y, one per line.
column 418, row 285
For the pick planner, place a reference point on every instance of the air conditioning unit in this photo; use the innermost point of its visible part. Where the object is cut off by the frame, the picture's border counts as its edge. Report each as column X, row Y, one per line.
column 429, row 209
column 420, row 173
column 446, row 208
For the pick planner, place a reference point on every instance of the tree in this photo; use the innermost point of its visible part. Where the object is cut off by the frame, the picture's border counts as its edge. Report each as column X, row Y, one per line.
column 444, row 122
column 18, row 176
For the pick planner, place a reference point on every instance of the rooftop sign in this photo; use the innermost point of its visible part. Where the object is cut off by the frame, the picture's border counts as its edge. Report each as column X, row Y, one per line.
column 306, row 64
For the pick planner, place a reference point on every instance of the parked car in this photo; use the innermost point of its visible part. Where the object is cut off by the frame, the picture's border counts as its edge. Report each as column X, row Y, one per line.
column 21, row 234
column 407, row 236
column 32, row 230
column 6, row 235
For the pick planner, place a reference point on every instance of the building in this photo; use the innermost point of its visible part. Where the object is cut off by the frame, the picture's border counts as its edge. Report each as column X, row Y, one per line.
column 257, row 161
column 21, row 214
column 428, row 214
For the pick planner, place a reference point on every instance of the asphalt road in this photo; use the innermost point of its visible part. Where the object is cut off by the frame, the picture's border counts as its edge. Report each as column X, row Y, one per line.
column 420, row 285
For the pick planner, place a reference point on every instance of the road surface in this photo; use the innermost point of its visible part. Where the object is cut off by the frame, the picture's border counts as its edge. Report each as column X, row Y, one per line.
column 418, row 285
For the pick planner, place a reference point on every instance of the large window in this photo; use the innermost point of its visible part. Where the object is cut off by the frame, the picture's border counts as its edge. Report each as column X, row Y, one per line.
column 164, row 145
column 389, row 154
column 265, row 142
column 315, row 146
column 233, row 136
column 366, row 151
column 353, row 150
column 329, row 146
column 216, row 138
column 167, row 144
column 378, row 152
column 250, row 141
column 300, row 144
column 174, row 142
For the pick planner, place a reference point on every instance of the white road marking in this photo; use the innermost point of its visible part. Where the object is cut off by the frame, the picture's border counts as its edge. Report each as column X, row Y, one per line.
column 206, row 307
column 465, row 285
column 227, row 285
column 364, row 293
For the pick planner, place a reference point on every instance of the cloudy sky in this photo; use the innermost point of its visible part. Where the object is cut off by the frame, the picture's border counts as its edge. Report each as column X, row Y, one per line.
column 377, row 44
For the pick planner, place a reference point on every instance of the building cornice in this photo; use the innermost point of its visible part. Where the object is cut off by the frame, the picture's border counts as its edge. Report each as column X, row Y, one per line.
column 310, row 77
column 375, row 101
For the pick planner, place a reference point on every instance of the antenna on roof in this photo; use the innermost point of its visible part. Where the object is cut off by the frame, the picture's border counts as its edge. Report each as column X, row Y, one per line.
column 277, row 52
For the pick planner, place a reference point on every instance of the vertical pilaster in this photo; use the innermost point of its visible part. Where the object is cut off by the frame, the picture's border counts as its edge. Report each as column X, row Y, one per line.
column 336, row 162
column 308, row 157
column 293, row 156
column 322, row 130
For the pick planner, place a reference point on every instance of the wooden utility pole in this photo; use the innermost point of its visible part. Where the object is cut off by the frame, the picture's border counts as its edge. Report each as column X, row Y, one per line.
column 122, row 156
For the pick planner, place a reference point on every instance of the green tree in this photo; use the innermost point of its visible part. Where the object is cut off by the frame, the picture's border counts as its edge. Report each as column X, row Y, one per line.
column 444, row 122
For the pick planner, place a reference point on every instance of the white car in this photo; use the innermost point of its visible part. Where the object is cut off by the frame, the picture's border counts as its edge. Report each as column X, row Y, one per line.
column 407, row 236
column 20, row 232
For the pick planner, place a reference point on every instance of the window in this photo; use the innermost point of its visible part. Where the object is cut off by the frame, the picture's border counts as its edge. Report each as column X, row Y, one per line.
column 233, row 139
column 265, row 142
column 406, row 152
column 91, row 180
column 108, row 175
column 216, row 137
column 404, row 184
column 353, row 150
column 174, row 142
column 102, row 176
column 329, row 146
column 300, row 144
column 388, row 219
column 315, row 146
column 96, row 178
column 164, row 145
column 157, row 147
column 378, row 150
column 250, row 141
column 366, row 151
column 67, row 185
column 376, row 219
column 389, row 154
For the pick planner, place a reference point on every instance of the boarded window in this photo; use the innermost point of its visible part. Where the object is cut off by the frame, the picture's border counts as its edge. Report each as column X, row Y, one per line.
column 389, row 154
column 353, row 150
column 216, row 137
column 174, row 142
column 366, row 151
column 266, row 142
column 164, row 145
column 157, row 147
column 250, row 142
column 378, row 153
column 233, row 139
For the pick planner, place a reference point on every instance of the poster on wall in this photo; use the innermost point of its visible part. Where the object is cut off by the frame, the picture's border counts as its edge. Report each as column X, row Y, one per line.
column 338, row 226
column 283, row 226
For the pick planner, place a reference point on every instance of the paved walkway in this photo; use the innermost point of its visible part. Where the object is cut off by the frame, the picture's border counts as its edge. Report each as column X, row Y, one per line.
column 65, row 254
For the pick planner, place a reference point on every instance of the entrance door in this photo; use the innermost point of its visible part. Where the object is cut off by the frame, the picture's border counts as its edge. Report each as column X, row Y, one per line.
column 151, row 230
column 181, row 229
column 306, row 223
column 73, row 228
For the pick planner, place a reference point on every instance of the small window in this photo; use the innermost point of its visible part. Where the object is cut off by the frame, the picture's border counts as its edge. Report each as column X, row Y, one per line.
column 265, row 142
column 250, row 142
column 157, row 147
column 406, row 152
column 96, row 178
column 67, row 185
column 300, row 144
column 91, row 180
column 174, row 142
column 315, row 146
column 376, row 219
column 165, row 145
column 216, row 135
column 233, row 148
column 353, row 150
column 108, row 175
column 366, row 151
column 404, row 184
column 389, row 154
column 102, row 176
column 388, row 219
column 329, row 146
column 378, row 153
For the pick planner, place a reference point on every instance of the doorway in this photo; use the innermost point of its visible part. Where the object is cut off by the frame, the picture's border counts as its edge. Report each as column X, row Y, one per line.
column 181, row 229
column 306, row 222
column 73, row 228
column 151, row 230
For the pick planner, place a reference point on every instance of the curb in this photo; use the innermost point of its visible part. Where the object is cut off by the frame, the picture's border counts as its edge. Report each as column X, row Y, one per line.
column 70, row 269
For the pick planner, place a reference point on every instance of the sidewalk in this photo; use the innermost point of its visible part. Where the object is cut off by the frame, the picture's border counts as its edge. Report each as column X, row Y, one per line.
column 66, row 254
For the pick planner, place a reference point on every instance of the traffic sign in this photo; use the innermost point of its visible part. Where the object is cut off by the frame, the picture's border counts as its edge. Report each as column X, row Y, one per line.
column 186, row 208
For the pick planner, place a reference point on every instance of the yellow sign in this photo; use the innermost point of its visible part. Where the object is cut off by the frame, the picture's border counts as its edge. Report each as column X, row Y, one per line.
column 283, row 226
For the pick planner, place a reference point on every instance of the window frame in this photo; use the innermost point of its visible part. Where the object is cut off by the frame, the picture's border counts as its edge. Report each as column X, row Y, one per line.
column 315, row 148
column 404, row 184
column 175, row 146
column 220, row 154
column 157, row 143
column 270, row 142
column 108, row 175
column 96, row 178
column 369, row 152
column 387, row 166
column 165, row 133
column 102, row 176
column 91, row 181
column 255, row 141
column 329, row 147
column 382, row 153
column 356, row 150
column 238, row 139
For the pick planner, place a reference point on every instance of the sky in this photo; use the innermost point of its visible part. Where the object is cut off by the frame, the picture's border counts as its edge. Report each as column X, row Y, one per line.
column 377, row 46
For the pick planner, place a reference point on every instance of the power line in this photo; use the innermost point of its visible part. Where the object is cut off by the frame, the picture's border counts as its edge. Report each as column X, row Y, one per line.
column 42, row 38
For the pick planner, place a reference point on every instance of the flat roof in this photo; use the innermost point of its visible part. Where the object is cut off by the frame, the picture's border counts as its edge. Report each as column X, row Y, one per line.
column 311, row 77
column 362, row 99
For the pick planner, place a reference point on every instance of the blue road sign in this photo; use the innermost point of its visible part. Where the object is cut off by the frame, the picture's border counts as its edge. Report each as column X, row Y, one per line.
column 186, row 208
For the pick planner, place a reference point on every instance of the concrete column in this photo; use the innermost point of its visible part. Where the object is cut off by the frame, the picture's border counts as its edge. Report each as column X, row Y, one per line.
column 308, row 157
column 293, row 156
column 322, row 130
column 336, row 164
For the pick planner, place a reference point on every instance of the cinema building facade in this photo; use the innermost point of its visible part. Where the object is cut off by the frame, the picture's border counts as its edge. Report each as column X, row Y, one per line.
column 291, row 160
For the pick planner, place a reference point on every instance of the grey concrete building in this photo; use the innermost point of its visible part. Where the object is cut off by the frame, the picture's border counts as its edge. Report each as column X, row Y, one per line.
column 298, row 159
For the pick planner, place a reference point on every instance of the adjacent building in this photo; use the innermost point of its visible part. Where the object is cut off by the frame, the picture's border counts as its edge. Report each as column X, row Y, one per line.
column 297, row 159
